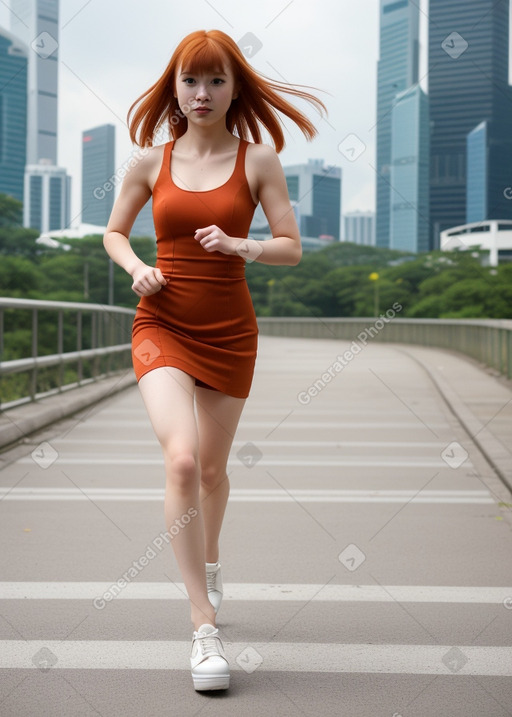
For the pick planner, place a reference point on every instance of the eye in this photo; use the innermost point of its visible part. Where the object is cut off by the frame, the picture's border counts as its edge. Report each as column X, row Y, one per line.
column 189, row 80
column 217, row 81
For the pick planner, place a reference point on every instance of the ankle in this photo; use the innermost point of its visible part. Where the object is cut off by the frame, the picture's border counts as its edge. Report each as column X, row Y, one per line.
column 201, row 617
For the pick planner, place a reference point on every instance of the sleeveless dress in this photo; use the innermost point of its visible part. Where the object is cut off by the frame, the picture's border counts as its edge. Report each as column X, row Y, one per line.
column 202, row 321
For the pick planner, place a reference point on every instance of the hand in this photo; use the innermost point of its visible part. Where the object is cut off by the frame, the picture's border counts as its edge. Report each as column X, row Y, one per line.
column 214, row 239
column 147, row 280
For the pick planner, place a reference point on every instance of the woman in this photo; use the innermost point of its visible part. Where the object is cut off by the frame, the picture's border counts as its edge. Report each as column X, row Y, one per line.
column 195, row 332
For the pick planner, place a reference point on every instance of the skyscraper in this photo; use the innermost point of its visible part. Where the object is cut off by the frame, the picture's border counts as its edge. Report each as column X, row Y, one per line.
column 477, row 179
column 317, row 191
column 468, row 84
column 35, row 22
column 98, row 167
column 359, row 228
column 47, row 197
column 13, row 114
column 409, row 205
column 397, row 70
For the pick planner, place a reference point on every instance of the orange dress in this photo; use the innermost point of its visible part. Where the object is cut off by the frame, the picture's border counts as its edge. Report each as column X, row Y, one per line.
column 202, row 321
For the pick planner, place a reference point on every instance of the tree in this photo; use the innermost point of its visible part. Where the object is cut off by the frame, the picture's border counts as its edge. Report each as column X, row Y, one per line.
column 11, row 211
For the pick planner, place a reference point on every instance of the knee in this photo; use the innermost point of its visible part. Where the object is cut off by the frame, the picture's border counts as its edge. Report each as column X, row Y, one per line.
column 182, row 469
column 212, row 476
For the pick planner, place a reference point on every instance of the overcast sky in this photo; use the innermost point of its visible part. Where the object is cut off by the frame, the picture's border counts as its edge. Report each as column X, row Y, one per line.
column 112, row 50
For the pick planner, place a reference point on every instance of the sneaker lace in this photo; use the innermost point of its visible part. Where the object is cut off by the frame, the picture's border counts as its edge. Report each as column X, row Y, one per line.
column 209, row 645
column 211, row 581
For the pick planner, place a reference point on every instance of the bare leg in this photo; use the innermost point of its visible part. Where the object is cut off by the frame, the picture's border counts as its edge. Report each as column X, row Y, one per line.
column 217, row 416
column 168, row 394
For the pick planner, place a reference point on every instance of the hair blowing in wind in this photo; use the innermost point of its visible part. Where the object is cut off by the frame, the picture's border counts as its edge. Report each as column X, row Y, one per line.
column 258, row 103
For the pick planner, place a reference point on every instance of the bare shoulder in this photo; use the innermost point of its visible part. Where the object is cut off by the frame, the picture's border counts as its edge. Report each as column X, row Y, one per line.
column 262, row 157
column 263, row 168
column 144, row 165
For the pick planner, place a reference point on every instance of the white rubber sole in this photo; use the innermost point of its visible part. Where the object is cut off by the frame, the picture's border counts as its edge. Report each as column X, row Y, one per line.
column 204, row 683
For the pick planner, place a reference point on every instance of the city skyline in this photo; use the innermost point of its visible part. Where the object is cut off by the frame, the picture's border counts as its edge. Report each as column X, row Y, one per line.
column 104, row 80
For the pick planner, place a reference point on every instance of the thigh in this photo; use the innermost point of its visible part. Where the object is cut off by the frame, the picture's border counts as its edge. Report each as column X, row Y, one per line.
column 168, row 394
column 217, row 421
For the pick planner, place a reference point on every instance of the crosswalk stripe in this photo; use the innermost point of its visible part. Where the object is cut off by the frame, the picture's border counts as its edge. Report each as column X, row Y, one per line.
column 309, row 462
column 240, row 495
column 274, row 656
column 261, row 444
column 294, row 424
column 121, row 588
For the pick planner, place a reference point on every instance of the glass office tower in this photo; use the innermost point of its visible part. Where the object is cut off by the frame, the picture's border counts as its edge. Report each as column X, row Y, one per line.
column 409, row 205
column 477, row 174
column 317, row 191
column 35, row 22
column 397, row 70
column 468, row 85
column 13, row 114
column 98, row 167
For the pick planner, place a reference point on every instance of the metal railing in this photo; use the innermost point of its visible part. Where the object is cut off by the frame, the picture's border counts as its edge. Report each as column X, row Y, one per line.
column 89, row 342
column 96, row 342
column 488, row 341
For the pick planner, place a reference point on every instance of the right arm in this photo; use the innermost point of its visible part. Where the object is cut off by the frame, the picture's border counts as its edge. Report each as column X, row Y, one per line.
column 135, row 192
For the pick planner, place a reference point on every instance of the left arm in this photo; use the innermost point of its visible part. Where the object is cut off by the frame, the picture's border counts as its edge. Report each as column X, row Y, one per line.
column 265, row 172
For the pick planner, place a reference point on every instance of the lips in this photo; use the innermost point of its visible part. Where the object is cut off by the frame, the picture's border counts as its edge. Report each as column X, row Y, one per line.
column 202, row 110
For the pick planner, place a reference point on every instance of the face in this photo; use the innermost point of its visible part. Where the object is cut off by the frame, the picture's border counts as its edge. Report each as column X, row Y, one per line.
column 205, row 97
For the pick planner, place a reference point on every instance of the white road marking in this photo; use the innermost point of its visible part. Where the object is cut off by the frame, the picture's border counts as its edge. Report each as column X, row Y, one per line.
column 309, row 462
column 266, row 444
column 274, row 656
column 138, row 590
column 290, row 423
column 255, row 495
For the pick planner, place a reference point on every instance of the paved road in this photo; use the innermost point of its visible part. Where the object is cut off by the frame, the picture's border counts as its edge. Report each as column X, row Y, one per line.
column 366, row 551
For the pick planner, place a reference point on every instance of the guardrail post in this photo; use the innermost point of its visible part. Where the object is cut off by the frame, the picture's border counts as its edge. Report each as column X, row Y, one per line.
column 60, row 347
column 33, row 379
column 1, row 336
column 79, row 345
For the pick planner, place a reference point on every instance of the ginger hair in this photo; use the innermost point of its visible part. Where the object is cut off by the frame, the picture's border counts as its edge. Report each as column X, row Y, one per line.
column 258, row 103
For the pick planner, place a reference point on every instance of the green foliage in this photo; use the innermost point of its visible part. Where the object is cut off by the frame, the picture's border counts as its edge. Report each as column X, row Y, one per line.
column 11, row 211
column 33, row 271
column 335, row 282
column 331, row 282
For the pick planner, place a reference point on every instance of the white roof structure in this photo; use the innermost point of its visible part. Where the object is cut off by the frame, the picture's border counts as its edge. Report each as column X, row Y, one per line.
column 493, row 235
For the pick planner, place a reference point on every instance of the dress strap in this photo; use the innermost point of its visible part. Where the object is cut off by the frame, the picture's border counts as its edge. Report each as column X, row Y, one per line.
column 240, row 159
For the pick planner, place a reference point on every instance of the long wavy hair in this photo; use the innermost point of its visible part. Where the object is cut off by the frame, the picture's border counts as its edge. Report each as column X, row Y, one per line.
column 258, row 100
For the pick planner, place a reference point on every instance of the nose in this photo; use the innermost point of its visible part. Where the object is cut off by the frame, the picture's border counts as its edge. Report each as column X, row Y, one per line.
column 202, row 93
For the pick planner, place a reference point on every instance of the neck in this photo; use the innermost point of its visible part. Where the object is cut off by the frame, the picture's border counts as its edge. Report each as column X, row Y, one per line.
column 205, row 140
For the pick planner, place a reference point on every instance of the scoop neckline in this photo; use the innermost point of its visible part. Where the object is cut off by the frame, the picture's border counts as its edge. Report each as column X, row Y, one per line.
column 202, row 191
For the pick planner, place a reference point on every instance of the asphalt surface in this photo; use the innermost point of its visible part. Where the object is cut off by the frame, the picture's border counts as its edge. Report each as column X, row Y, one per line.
column 366, row 549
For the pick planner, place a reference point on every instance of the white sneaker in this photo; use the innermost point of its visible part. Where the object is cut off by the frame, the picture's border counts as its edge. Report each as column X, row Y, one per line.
column 214, row 584
column 210, row 668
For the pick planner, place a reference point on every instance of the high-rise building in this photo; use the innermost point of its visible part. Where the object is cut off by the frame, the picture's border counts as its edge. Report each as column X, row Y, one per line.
column 35, row 22
column 317, row 191
column 13, row 114
column 359, row 228
column 47, row 197
column 488, row 172
column 477, row 178
column 98, row 167
column 409, row 205
column 397, row 70
column 468, row 85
